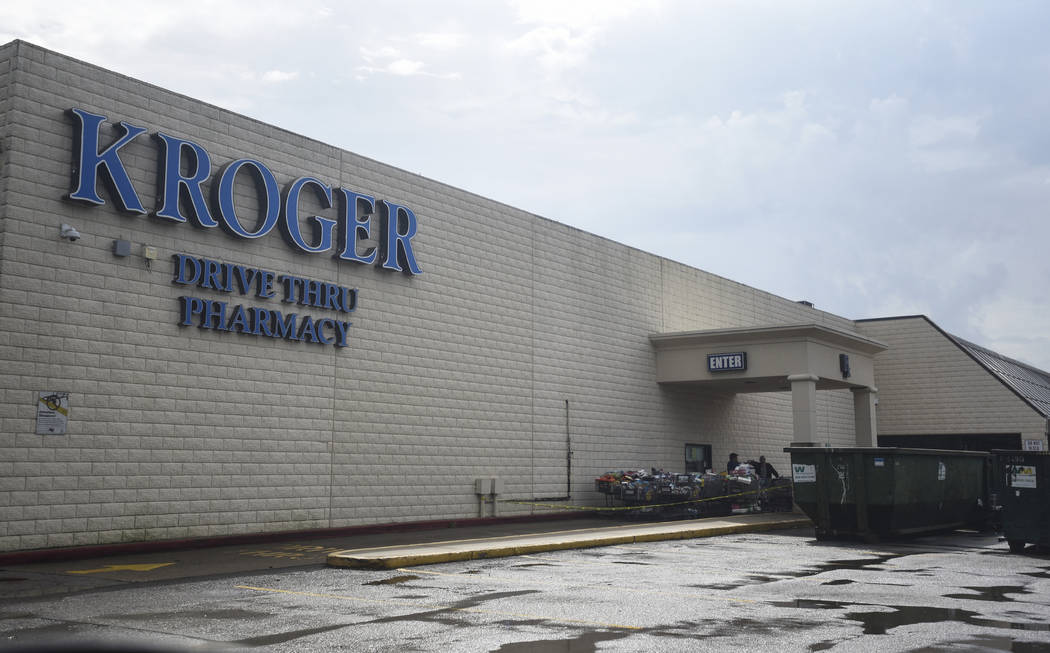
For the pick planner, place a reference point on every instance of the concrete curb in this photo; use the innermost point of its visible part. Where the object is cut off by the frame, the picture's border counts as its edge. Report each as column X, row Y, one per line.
column 84, row 552
column 394, row 557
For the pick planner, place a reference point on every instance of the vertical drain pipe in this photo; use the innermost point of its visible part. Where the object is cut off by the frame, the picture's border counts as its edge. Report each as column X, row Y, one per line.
column 568, row 454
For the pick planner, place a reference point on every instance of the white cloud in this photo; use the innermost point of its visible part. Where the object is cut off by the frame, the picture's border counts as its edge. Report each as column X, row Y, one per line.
column 930, row 131
column 1019, row 325
column 947, row 143
column 889, row 107
column 865, row 156
column 395, row 60
column 556, row 48
column 380, row 52
column 579, row 13
column 404, row 67
column 277, row 76
column 441, row 40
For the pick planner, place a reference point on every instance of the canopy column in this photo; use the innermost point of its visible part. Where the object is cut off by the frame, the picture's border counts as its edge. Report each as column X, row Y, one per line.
column 864, row 416
column 804, row 406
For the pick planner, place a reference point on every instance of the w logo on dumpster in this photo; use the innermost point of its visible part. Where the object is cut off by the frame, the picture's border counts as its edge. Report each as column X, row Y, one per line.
column 804, row 473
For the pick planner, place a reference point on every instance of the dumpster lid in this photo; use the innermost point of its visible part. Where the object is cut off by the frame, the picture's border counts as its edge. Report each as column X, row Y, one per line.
column 887, row 450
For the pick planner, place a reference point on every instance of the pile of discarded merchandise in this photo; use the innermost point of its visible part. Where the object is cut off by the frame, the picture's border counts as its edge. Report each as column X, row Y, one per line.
column 688, row 495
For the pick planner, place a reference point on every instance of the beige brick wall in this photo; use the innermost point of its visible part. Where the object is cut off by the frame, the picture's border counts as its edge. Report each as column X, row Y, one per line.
column 928, row 385
column 518, row 331
column 694, row 299
column 5, row 144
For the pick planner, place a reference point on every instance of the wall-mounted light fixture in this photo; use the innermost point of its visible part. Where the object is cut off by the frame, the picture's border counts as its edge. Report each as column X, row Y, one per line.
column 69, row 233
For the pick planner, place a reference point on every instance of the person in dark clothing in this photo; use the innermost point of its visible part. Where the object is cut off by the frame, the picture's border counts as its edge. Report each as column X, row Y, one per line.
column 764, row 470
column 733, row 462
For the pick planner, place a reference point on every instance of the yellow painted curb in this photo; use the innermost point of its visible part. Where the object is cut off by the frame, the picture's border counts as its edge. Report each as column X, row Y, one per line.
column 394, row 557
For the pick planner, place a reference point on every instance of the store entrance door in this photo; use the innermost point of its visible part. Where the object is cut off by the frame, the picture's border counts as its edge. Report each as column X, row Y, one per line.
column 697, row 458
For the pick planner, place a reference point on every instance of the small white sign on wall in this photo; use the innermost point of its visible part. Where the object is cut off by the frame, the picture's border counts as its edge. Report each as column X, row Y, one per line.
column 52, row 413
column 1022, row 476
column 804, row 473
column 1033, row 445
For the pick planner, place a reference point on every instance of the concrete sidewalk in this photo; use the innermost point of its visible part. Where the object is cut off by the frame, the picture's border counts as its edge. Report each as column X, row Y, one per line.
column 392, row 557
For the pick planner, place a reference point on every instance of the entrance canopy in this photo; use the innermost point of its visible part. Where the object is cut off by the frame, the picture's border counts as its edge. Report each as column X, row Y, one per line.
column 802, row 358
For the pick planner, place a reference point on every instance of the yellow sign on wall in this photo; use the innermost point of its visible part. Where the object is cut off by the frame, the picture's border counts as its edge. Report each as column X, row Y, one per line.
column 52, row 413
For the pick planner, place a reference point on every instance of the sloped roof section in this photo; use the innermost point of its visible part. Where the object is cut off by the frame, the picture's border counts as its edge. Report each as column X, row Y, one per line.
column 1031, row 384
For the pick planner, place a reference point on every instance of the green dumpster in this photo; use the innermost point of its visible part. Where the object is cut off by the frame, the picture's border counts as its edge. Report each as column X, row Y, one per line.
column 879, row 492
column 1022, row 485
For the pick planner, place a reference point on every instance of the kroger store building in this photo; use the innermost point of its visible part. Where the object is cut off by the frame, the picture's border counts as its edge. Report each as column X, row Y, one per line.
column 212, row 326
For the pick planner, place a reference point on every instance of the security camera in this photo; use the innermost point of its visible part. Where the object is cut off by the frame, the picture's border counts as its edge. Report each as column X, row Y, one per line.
column 70, row 233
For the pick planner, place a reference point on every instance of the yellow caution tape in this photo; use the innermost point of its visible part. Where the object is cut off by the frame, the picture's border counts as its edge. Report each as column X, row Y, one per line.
column 644, row 506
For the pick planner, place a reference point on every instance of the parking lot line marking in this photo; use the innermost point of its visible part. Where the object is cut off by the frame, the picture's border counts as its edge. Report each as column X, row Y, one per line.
column 493, row 613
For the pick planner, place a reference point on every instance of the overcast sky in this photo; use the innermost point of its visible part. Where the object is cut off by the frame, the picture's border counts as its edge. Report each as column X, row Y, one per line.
column 875, row 158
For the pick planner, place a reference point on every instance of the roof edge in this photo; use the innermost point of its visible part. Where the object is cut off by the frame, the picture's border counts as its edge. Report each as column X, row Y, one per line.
column 896, row 317
column 956, row 341
column 772, row 332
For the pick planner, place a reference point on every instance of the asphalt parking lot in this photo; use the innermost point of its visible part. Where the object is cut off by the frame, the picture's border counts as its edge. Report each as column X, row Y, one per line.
column 780, row 590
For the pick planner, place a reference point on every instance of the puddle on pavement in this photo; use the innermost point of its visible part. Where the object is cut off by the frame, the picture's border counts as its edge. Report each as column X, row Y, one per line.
column 764, row 626
column 60, row 630
column 877, row 623
column 763, row 578
column 852, row 564
column 809, row 604
column 584, row 643
column 990, row 643
column 447, row 614
column 280, row 638
column 921, row 573
column 997, row 593
column 394, row 580
column 719, row 586
column 749, row 579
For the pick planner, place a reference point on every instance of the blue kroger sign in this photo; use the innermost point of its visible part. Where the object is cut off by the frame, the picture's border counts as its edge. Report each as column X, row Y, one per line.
column 256, row 321
column 181, row 197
